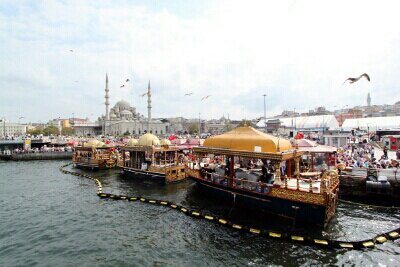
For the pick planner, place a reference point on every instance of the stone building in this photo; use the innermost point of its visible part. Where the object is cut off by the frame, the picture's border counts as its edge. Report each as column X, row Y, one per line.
column 11, row 128
column 123, row 118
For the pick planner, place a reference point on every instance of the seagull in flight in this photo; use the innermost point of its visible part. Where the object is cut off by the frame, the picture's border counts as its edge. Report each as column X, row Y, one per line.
column 71, row 50
column 188, row 94
column 353, row 80
column 76, row 81
column 122, row 86
column 127, row 80
column 205, row 97
column 142, row 95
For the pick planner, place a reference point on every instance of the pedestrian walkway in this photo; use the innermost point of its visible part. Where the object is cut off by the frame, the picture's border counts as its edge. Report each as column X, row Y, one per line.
column 379, row 153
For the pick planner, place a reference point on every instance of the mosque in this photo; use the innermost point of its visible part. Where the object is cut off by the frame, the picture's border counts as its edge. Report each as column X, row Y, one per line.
column 123, row 118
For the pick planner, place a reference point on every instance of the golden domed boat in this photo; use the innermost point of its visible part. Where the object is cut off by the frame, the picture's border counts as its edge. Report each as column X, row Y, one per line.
column 95, row 155
column 256, row 170
column 151, row 159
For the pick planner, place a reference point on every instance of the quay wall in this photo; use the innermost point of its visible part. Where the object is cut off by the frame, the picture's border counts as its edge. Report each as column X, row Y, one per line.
column 38, row 156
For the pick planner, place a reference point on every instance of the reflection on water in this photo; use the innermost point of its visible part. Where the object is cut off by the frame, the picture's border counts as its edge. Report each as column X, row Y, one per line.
column 51, row 218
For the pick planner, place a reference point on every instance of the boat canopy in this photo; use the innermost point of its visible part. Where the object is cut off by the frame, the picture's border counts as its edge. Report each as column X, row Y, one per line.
column 306, row 145
column 93, row 143
column 248, row 139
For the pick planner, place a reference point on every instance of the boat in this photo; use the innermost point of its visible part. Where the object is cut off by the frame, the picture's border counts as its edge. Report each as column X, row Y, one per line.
column 152, row 160
column 95, row 155
column 371, row 185
column 255, row 170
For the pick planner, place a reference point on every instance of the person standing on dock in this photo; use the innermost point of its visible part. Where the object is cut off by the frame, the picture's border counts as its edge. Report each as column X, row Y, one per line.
column 385, row 152
column 398, row 154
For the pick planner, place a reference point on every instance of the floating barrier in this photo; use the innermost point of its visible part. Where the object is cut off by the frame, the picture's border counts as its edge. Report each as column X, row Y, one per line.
column 363, row 244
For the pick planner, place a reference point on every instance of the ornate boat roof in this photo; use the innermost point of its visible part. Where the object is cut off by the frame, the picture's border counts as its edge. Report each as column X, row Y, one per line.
column 250, row 140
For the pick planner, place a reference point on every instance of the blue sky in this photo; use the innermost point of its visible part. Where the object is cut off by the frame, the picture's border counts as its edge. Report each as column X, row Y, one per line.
column 297, row 52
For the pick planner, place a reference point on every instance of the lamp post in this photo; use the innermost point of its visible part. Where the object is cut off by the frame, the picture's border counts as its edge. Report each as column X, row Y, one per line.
column 265, row 115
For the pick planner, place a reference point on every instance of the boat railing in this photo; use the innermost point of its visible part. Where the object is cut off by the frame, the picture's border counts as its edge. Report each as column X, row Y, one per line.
column 318, row 186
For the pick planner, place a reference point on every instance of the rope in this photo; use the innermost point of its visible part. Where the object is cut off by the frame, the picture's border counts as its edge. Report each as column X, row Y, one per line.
column 327, row 243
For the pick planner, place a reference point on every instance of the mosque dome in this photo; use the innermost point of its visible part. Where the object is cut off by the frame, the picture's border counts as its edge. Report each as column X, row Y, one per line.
column 113, row 116
column 165, row 142
column 149, row 140
column 123, row 105
column 132, row 142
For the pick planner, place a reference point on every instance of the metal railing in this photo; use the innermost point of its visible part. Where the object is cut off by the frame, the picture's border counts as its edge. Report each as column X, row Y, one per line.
column 261, row 187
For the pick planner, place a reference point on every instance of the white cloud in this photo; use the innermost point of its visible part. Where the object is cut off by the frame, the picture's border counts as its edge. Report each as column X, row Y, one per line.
column 299, row 53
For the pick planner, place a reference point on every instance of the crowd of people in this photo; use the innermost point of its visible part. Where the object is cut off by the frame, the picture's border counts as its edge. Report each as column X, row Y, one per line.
column 365, row 156
column 42, row 149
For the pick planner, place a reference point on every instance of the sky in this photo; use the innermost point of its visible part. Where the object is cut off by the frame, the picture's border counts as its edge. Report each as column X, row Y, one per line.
column 298, row 53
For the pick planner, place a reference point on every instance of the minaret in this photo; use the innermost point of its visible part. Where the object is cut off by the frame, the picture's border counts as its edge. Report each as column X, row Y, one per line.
column 107, row 98
column 369, row 100
column 148, row 107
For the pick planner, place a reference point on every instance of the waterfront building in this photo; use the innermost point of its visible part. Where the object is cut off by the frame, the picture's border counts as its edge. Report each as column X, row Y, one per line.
column 218, row 126
column 372, row 123
column 11, row 128
column 336, row 138
column 64, row 123
column 319, row 123
column 88, row 129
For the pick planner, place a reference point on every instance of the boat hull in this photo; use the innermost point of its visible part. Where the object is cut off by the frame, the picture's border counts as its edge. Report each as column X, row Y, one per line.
column 355, row 188
column 304, row 213
column 144, row 175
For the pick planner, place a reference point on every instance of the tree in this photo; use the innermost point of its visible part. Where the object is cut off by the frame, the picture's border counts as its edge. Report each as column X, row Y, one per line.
column 50, row 130
column 193, row 128
column 67, row 131
column 35, row 131
column 127, row 133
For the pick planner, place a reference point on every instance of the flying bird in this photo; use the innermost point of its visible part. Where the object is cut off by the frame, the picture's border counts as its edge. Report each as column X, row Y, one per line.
column 188, row 94
column 353, row 80
column 142, row 95
column 127, row 80
column 122, row 86
column 205, row 97
column 76, row 81
column 71, row 50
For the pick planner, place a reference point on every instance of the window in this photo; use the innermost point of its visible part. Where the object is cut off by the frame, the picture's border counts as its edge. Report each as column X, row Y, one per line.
column 335, row 141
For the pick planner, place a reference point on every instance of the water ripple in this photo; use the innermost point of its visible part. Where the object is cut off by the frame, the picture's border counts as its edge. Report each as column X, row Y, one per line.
column 48, row 218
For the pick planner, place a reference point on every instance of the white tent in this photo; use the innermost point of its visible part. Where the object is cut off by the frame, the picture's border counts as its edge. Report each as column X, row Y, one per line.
column 373, row 123
column 306, row 122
